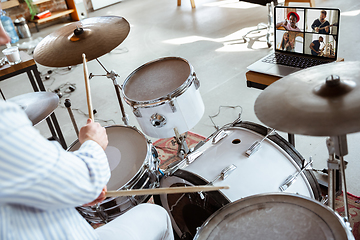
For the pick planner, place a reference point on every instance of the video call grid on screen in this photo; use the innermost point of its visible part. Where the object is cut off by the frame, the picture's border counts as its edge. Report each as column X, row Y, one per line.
column 310, row 31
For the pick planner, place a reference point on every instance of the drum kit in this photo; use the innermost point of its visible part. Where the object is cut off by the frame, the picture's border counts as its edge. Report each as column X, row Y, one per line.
column 273, row 192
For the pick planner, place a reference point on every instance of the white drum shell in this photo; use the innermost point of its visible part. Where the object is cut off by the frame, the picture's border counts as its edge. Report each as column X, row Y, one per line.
column 189, row 110
column 262, row 172
column 166, row 87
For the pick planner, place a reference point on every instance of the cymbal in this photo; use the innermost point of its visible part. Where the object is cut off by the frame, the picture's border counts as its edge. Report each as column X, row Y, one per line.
column 93, row 36
column 37, row 105
column 319, row 101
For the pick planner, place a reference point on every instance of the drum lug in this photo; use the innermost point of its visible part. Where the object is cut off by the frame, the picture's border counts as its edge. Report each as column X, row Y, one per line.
column 137, row 112
column 101, row 213
column 172, row 105
column 196, row 81
column 157, row 120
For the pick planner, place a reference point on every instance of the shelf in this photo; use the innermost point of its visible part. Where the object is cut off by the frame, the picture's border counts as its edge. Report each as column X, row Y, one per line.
column 9, row 4
column 40, row 1
column 54, row 15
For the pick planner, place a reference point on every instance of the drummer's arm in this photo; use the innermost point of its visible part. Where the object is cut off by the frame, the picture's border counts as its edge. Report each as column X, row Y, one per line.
column 49, row 177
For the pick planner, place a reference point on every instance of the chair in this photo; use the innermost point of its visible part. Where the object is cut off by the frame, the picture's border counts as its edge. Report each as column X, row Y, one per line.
column 191, row 1
column 311, row 2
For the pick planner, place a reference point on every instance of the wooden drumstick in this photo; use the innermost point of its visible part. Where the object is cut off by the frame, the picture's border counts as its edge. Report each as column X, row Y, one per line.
column 87, row 87
column 170, row 190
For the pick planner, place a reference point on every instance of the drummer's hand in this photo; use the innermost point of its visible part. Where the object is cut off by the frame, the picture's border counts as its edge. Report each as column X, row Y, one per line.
column 100, row 198
column 93, row 131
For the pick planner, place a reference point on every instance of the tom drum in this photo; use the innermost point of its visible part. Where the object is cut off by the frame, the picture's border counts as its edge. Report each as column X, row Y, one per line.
column 132, row 166
column 164, row 94
column 277, row 216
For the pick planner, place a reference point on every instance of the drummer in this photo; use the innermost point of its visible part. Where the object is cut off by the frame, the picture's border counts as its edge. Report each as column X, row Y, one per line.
column 41, row 184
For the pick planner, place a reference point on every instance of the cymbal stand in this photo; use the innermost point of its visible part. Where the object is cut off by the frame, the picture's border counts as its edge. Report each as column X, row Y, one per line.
column 112, row 75
column 183, row 148
column 337, row 145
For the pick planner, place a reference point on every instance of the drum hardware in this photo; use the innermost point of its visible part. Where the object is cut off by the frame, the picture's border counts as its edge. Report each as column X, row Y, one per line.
column 337, row 145
column 112, row 75
column 172, row 106
column 287, row 183
column 67, row 104
column 183, row 148
column 157, row 120
column 217, row 137
column 256, row 145
column 101, row 213
column 37, row 105
column 222, row 175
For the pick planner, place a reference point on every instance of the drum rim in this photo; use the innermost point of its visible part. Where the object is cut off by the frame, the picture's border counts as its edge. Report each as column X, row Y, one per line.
column 277, row 197
column 163, row 99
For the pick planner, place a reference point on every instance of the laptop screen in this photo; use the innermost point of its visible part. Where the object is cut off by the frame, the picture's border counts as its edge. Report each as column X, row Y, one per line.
column 307, row 31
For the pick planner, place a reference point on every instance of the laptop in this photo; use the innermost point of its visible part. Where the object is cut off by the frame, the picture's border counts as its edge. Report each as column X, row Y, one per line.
column 303, row 37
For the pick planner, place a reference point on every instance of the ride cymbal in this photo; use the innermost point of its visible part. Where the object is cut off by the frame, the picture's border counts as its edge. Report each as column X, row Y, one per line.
column 93, row 36
column 318, row 101
column 37, row 105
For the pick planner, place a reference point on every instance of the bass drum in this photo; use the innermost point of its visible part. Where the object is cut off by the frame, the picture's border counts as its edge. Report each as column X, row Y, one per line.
column 277, row 216
column 263, row 172
column 132, row 166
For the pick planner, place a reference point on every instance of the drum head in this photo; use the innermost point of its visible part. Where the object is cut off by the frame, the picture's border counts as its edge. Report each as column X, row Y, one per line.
column 274, row 216
column 156, row 79
column 126, row 152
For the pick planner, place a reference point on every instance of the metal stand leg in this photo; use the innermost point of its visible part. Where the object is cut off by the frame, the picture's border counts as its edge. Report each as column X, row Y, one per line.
column 112, row 75
column 51, row 120
column 337, row 145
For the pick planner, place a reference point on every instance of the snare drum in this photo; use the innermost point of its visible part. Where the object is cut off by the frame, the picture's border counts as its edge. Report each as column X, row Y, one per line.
column 132, row 166
column 263, row 172
column 164, row 94
column 275, row 216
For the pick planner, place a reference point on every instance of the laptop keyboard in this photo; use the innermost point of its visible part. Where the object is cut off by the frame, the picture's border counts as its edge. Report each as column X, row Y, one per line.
column 293, row 61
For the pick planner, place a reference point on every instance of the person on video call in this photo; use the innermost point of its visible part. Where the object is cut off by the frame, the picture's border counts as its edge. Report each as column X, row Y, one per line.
column 290, row 24
column 287, row 44
column 41, row 184
column 321, row 25
column 315, row 46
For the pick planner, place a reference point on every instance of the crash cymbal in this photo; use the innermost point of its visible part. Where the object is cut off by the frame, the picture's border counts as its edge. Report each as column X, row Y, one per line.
column 37, row 105
column 318, row 101
column 93, row 36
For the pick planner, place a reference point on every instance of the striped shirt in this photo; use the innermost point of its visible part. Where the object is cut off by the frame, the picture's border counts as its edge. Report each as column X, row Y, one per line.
column 41, row 183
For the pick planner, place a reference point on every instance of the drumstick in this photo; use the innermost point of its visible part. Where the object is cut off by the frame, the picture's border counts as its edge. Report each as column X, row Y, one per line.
column 87, row 87
column 169, row 190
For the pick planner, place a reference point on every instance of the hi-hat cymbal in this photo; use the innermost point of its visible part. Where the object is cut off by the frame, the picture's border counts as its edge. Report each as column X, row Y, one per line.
column 37, row 105
column 318, row 101
column 93, row 36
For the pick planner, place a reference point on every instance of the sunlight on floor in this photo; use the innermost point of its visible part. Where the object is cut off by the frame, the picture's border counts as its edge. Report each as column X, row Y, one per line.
column 232, row 4
column 232, row 43
column 351, row 13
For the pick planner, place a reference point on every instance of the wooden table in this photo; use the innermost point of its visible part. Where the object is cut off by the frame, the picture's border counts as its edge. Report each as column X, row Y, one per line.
column 28, row 66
